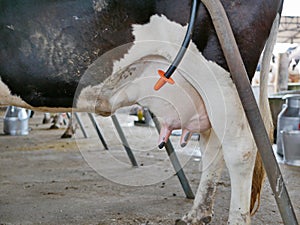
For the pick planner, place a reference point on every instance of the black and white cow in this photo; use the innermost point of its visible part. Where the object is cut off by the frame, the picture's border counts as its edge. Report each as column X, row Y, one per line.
column 100, row 55
column 294, row 65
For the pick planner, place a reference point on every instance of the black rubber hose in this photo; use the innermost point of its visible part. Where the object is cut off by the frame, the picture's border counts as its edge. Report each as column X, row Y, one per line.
column 186, row 41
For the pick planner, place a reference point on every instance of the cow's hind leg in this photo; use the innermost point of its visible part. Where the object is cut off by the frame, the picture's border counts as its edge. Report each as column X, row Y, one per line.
column 212, row 165
column 239, row 154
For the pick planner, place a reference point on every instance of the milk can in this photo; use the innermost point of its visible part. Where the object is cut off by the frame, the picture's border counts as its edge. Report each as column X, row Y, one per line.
column 288, row 119
column 291, row 147
column 16, row 121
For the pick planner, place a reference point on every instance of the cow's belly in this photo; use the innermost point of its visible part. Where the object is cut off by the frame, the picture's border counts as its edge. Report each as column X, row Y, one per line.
column 6, row 99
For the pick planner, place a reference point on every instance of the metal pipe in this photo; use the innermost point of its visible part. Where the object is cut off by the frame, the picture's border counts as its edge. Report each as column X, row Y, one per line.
column 98, row 130
column 81, row 125
column 240, row 78
column 176, row 164
column 124, row 141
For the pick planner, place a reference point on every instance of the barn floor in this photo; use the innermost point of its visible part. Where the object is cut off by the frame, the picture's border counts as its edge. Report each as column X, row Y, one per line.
column 48, row 180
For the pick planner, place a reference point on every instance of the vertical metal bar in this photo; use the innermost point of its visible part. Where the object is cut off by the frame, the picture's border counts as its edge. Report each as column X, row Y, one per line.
column 240, row 78
column 282, row 73
column 81, row 125
column 148, row 118
column 176, row 164
column 124, row 141
column 96, row 126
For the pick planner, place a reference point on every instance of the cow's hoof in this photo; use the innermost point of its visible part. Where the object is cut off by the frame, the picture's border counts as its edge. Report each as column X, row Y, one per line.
column 206, row 220
column 180, row 222
column 54, row 127
column 66, row 136
column 45, row 121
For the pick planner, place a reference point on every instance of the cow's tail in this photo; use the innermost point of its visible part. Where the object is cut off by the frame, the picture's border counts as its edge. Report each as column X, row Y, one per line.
column 259, row 171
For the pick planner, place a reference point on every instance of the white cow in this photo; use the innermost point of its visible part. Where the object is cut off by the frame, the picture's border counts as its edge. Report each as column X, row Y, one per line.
column 204, row 99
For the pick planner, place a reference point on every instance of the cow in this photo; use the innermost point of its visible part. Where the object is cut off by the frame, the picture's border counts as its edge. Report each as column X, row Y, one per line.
column 59, row 119
column 271, row 75
column 294, row 66
column 100, row 55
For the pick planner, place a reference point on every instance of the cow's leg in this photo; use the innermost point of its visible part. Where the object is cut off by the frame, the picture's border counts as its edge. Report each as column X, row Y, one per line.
column 71, row 129
column 47, row 118
column 58, row 121
column 212, row 165
column 239, row 154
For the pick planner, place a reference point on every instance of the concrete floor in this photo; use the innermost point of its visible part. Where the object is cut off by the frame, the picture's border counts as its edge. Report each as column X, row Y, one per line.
column 47, row 180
